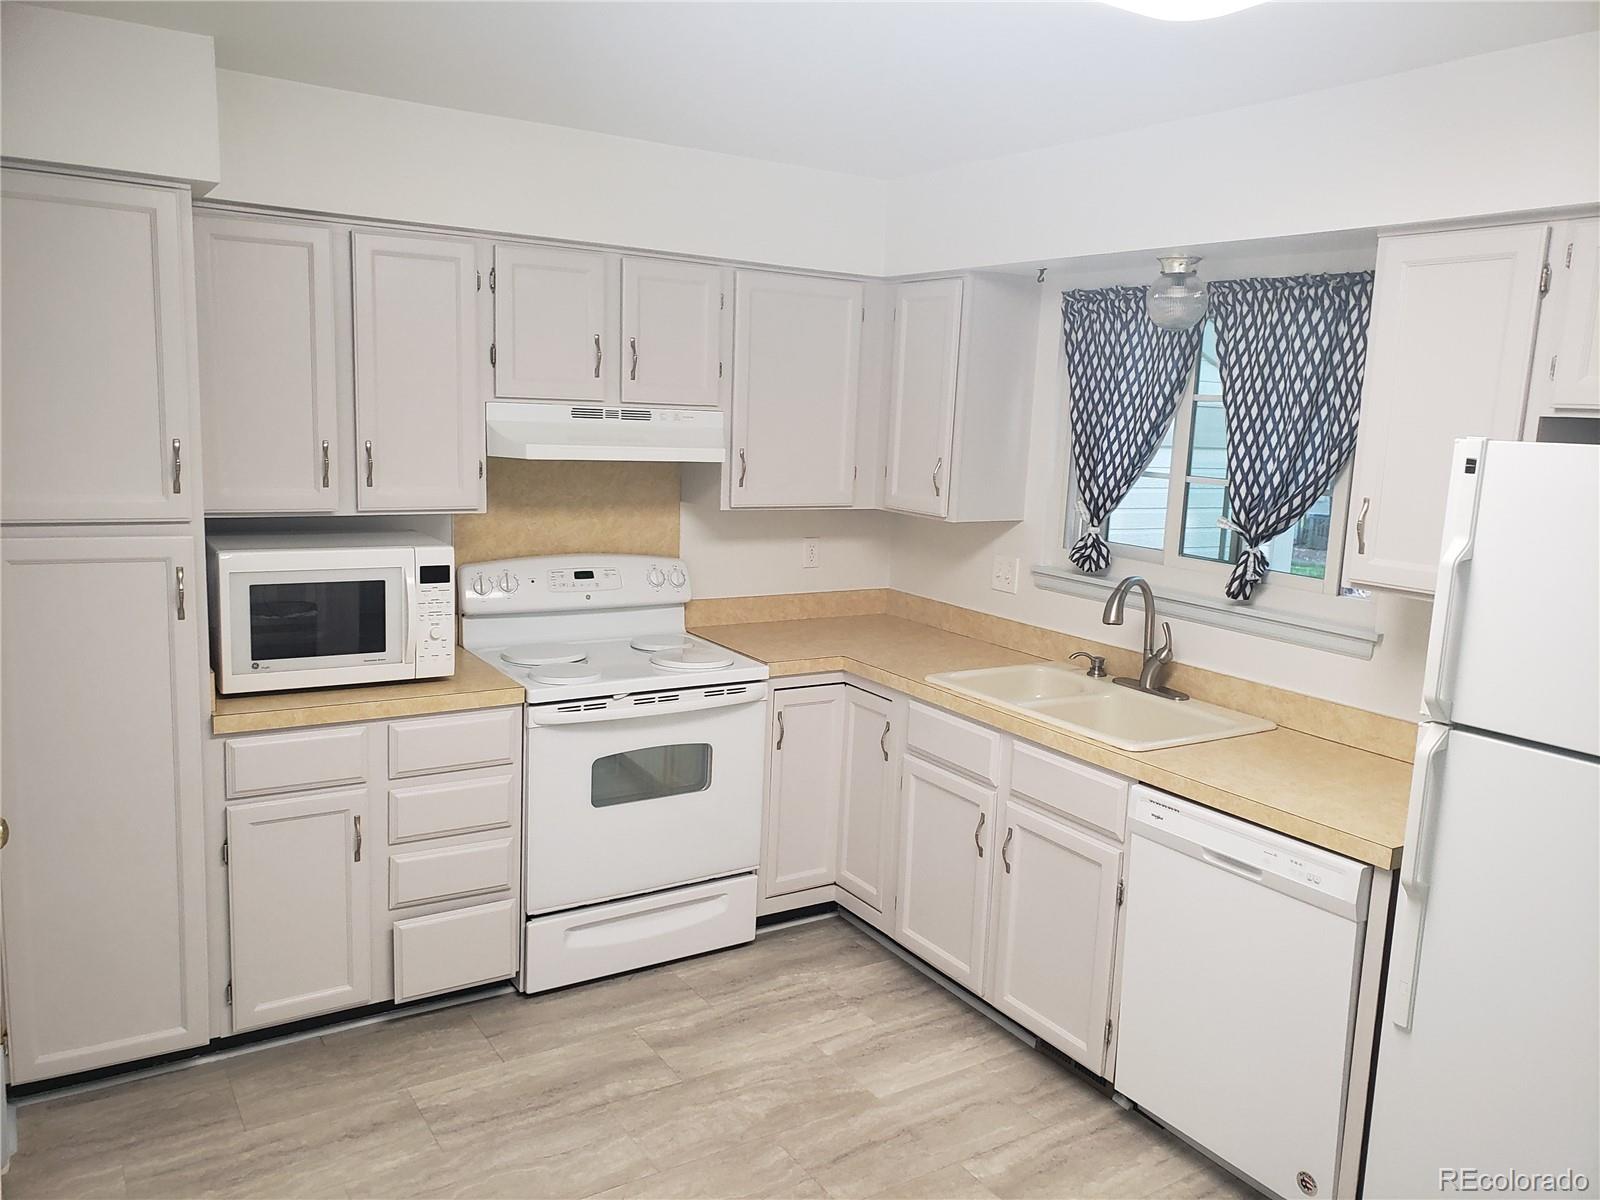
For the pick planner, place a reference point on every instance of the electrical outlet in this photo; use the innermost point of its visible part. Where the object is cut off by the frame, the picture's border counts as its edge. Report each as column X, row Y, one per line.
column 810, row 553
column 1004, row 578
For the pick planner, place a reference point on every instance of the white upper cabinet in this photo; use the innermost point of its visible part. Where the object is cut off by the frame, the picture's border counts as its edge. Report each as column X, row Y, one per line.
column 922, row 396
column 105, row 879
column 960, row 397
column 672, row 332
column 96, row 369
column 796, row 375
column 268, row 382
column 555, row 324
column 419, row 414
column 803, row 790
column 866, row 809
column 1453, row 322
column 1566, row 361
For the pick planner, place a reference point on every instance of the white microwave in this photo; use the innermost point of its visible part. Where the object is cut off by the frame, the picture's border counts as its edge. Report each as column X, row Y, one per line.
column 315, row 610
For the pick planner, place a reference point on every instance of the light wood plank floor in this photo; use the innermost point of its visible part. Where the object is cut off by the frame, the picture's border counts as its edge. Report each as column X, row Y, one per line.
column 811, row 1063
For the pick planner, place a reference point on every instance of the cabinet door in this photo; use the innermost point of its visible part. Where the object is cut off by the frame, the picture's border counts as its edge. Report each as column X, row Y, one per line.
column 269, row 397
column 946, row 847
column 671, row 332
column 95, row 370
column 803, row 789
column 1566, row 366
column 419, row 417
column 299, row 909
column 922, row 396
column 796, row 375
column 1054, row 932
column 1453, row 320
column 555, row 324
column 867, row 801
column 105, row 888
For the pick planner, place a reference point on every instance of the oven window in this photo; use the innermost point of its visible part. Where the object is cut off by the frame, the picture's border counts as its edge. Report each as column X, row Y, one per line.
column 316, row 620
column 650, row 774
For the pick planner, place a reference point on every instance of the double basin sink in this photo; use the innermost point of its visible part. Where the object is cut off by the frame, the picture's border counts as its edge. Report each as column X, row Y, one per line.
column 1099, row 709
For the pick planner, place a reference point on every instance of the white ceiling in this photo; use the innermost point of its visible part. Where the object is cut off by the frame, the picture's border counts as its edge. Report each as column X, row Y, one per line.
column 876, row 89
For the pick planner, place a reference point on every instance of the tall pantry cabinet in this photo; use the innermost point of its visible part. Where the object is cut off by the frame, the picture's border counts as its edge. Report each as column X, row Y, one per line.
column 102, row 598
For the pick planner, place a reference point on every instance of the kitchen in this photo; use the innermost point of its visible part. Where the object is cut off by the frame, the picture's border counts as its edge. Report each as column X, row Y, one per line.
column 829, row 652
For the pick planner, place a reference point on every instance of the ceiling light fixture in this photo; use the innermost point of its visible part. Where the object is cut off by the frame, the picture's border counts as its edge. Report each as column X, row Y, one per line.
column 1177, row 300
column 1183, row 10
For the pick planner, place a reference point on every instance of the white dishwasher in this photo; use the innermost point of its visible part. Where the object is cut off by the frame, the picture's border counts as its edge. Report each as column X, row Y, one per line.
column 1241, row 960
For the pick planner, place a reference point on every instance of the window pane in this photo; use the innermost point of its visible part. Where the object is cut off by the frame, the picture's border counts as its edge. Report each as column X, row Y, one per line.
column 1302, row 550
column 1209, row 382
column 1208, row 441
column 650, row 774
column 1203, row 505
column 1141, row 518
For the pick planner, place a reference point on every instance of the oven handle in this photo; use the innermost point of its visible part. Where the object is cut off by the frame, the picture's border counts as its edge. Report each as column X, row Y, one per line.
column 625, row 708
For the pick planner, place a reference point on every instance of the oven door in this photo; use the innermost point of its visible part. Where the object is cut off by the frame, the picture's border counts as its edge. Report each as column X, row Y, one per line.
column 300, row 626
column 643, row 792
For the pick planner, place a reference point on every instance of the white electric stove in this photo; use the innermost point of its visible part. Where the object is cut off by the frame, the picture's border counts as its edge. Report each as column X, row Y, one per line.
column 643, row 767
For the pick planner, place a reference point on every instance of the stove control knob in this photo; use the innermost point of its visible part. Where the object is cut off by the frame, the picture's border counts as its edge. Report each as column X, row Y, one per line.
column 678, row 577
column 655, row 577
column 508, row 583
column 482, row 584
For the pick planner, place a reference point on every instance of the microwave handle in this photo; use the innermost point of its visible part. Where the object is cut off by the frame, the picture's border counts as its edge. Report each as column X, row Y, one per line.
column 410, row 573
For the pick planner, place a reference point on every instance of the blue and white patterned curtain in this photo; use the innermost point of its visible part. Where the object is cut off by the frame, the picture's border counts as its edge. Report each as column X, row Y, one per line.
column 1125, row 375
column 1291, row 353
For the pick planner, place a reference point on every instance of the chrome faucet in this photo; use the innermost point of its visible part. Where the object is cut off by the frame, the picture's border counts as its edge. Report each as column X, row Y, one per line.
column 1156, row 659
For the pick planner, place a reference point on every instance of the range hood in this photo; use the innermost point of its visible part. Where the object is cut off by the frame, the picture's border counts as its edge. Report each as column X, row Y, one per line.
column 548, row 429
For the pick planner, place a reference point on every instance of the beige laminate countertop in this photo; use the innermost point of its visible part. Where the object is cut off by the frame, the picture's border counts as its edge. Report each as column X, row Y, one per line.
column 474, row 685
column 1339, row 797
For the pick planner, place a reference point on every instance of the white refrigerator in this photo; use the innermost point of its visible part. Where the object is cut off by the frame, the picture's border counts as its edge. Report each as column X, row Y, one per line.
column 1488, row 1072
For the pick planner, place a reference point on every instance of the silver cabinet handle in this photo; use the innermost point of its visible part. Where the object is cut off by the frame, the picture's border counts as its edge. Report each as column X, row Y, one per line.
column 633, row 349
column 183, row 610
column 744, row 467
column 977, row 834
column 883, row 742
column 779, row 746
column 369, row 464
column 5, row 833
column 358, row 837
column 1005, row 848
column 937, row 468
column 597, row 356
column 324, row 463
column 177, row 466
column 1361, row 525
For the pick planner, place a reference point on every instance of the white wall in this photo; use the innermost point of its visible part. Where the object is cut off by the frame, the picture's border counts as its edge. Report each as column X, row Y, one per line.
column 750, row 553
column 107, row 95
column 298, row 146
column 1505, row 132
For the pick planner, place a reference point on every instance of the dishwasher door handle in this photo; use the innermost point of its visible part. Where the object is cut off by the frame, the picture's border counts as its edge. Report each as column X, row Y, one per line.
column 1228, row 863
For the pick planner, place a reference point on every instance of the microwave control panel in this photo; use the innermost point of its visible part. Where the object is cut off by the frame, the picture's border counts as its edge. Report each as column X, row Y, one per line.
column 436, row 612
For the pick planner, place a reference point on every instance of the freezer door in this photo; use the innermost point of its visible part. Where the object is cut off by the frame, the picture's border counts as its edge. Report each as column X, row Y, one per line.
column 1492, row 1062
column 1516, row 614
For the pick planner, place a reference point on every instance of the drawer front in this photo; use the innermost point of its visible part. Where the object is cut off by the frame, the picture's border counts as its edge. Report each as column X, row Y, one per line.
column 447, row 872
column 290, row 762
column 959, row 744
column 429, row 810
column 1097, row 798
column 454, row 742
column 451, row 950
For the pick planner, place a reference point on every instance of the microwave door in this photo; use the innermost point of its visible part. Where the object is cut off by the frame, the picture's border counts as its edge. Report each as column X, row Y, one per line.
column 316, row 627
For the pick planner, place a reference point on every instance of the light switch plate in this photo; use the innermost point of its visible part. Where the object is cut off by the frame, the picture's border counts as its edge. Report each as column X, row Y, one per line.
column 1005, row 574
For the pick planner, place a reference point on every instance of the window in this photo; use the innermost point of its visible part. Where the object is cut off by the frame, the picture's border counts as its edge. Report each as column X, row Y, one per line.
column 1171, row 513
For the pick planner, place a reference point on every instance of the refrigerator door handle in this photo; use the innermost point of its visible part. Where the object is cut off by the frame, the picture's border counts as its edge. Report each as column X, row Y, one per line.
column 1406, row 955
column 1467, row 463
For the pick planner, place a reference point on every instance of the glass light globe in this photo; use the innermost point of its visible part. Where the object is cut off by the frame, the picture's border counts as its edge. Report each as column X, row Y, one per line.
column 1177, row 300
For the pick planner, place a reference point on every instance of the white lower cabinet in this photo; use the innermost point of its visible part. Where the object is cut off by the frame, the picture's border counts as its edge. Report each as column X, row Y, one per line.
column 802, row 818
column 866, row 801
column 299, row 906
column 455, row 949
column 947, row 842
column 1054, row 932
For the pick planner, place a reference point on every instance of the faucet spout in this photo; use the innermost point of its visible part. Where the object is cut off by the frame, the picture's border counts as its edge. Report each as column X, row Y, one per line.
column 1156, row 659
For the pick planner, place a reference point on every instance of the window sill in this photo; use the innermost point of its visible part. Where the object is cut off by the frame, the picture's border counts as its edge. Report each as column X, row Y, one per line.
column 1299, row 629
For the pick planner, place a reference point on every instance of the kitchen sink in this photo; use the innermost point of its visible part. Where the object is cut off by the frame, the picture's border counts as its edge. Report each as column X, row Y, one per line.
column 1099, row 709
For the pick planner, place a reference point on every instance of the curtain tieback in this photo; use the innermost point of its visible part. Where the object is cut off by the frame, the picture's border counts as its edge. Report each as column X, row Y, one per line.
column 1089, row 553
column 1251, row 568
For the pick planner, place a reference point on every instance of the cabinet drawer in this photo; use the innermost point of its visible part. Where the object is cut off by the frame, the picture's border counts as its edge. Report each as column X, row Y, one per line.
column 962, row 745
column 451, row 950
column 450, row 743
column 292, row 762
column 1074, row 789
column 428, row 810
column 444, row 873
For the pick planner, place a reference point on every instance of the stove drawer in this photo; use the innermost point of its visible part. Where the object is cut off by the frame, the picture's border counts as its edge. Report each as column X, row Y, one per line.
column 454, row 742
column 445, row 807
column 457, row 949
column 450, row 872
